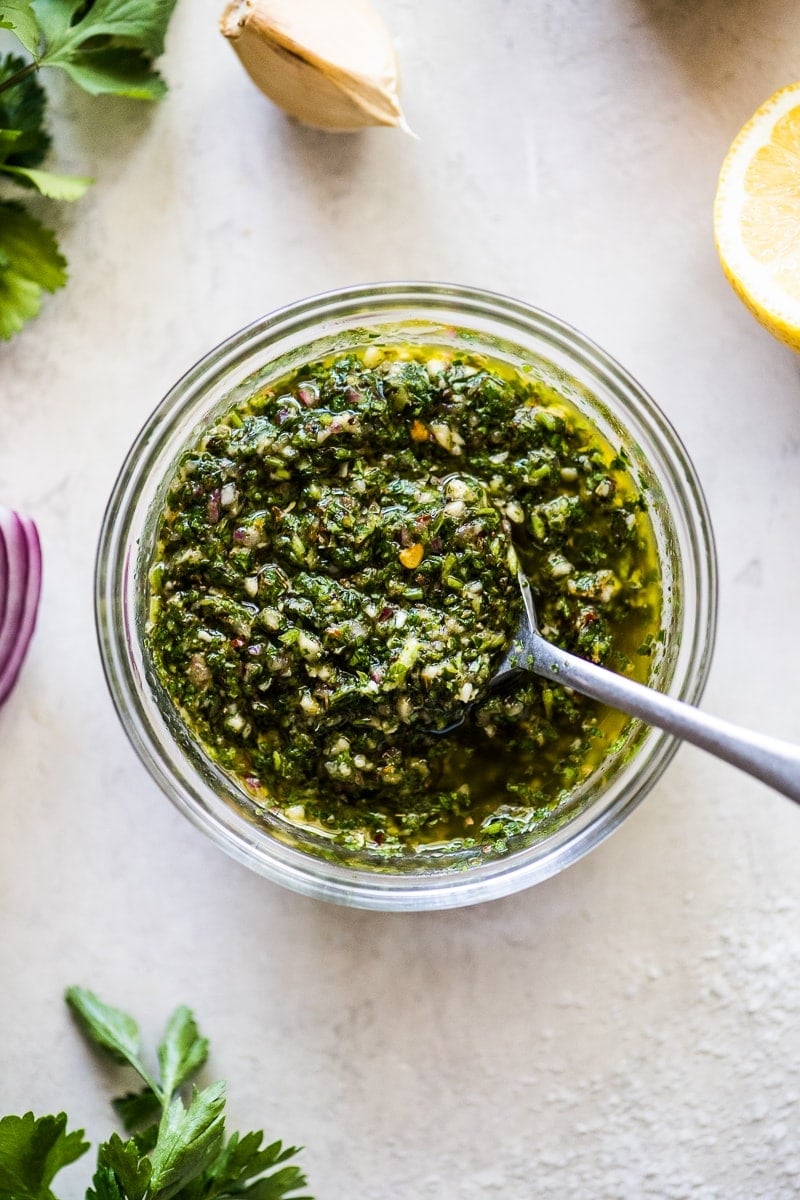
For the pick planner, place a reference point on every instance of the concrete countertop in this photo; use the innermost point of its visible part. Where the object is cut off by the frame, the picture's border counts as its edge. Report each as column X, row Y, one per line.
column 628, row 1029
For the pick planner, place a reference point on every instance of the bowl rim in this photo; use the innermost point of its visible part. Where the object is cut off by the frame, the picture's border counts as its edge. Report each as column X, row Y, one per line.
column 296, row 869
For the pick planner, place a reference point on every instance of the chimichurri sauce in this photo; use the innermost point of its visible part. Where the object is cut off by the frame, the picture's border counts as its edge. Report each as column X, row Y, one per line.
column 335, row 576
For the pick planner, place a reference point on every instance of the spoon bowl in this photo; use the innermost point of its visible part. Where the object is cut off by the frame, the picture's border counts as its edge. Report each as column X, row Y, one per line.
column 769, row 759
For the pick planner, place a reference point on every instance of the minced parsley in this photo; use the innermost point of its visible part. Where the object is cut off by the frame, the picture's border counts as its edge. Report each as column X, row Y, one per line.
column 336, row 575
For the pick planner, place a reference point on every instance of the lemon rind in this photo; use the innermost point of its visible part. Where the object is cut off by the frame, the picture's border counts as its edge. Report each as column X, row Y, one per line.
column 753, row 282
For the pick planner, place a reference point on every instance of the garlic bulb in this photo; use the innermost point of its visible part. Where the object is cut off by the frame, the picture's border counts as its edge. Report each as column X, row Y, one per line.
column 330, row 63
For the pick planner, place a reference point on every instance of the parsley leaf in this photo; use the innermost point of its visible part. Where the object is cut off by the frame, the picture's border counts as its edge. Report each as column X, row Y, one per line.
column 182, row 1157
column 182, row 1050
column 18, row 15
column 107, row 45
column 32, row 1152
column 242, row 1159
column 277, row 1186
column 146, row 1140
column 105, row 1186
column 188, row 1141
column 30, row 263
column 135, row 1109
column 110, row 1028
column 121, row 1172
column 22, row 108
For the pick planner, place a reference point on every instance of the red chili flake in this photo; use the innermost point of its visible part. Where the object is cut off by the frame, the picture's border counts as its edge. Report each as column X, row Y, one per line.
column 237, row 643
column 385, row 613
column 307, row 397
column 380, row 837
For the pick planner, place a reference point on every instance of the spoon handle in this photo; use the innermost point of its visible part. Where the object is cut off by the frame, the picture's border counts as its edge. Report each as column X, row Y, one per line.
column 774, row 762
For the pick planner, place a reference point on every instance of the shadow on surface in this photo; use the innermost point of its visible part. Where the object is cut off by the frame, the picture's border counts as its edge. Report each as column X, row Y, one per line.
column 734, row 48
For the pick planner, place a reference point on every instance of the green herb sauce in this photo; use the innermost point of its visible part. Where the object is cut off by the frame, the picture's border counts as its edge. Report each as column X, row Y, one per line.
column 335, row 577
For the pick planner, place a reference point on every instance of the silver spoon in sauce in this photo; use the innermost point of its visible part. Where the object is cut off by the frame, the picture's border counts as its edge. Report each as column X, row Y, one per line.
column 772, row 761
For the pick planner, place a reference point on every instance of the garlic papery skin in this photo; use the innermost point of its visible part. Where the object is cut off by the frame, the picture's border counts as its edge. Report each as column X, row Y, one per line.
column 330, row 63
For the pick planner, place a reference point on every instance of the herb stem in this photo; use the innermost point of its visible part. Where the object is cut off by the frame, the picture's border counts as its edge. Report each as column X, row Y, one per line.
column 19, row 75
column 158, row 1092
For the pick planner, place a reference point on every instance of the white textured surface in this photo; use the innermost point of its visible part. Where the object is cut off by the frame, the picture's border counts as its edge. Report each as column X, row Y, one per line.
column 628, row 1029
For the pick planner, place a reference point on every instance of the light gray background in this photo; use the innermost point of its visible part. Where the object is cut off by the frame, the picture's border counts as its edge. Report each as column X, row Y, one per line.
column 628, row 1029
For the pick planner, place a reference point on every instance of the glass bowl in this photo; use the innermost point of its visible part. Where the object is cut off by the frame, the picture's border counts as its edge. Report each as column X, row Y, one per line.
column 465, row 318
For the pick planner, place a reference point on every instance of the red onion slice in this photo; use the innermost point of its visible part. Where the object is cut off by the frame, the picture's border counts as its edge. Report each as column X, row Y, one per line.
column 12, row 534
column 3, row 580
column 20, row 586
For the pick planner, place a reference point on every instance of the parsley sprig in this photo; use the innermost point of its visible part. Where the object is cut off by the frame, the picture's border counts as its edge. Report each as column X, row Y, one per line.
column 174, row 1151
column 104, row 46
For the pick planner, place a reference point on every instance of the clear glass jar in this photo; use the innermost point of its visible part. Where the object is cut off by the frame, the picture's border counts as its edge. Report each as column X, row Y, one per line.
column 470, row 319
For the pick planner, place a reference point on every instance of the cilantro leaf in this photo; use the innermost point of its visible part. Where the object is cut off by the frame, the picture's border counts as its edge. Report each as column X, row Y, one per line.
column 55, row 187
column 118, row 72
column 24, row 141
column 188, row 1141
column 107, row 45
column 121, row 1171
column 28, row 249
column 182, row 1050
column 32, row 1152
column 18, row 15
column 30, row 263
column 20, row 301
column 137, row 1108
column 8, row 139
column 22, row 108
column 142, row 23
column 110, row 1028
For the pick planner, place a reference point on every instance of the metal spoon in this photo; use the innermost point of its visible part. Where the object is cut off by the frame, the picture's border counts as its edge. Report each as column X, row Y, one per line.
column 774, row 762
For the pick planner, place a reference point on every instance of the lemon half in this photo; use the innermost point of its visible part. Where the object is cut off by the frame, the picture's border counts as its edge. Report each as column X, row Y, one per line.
column 757, row 215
